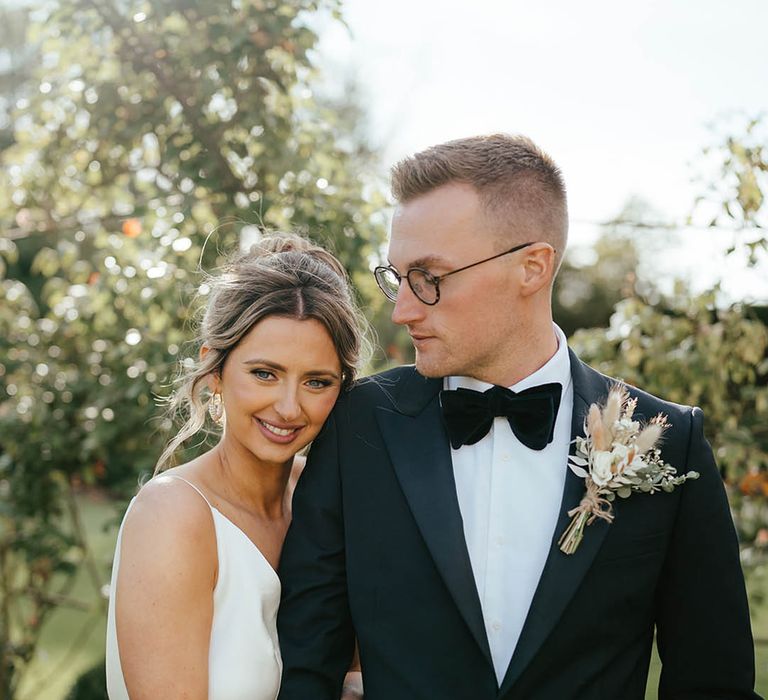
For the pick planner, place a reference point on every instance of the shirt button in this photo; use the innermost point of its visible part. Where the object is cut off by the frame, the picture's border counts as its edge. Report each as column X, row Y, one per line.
column 499, row 541
column 496, row 626
column 505, row 457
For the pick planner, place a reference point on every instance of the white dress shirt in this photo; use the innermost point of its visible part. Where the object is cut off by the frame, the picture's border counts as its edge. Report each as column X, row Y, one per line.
column 509, row 496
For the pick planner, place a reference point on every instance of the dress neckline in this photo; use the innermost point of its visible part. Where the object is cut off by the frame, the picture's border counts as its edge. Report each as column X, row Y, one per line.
column 233, row 524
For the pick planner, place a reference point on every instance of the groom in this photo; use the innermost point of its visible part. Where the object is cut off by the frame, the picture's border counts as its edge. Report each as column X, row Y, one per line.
column 426, row 524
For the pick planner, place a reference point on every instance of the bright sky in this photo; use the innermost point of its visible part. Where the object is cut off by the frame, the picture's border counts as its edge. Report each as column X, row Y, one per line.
column 620, row 94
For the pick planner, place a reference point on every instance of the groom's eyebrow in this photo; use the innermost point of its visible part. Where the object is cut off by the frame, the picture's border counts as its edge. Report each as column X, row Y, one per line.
column 424, row 261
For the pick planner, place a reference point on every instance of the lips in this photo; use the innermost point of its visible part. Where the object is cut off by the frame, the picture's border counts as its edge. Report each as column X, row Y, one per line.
column 277, row 433
column 418, row 335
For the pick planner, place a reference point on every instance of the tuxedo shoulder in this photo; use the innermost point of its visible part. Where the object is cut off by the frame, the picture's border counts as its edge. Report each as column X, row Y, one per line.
column 669, row 408
column 395, row 388
column 383, row 384
column 389, row 377
column 648, row 404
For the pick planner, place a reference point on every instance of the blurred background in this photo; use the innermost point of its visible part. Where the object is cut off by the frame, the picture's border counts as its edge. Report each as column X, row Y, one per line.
column 140, row 142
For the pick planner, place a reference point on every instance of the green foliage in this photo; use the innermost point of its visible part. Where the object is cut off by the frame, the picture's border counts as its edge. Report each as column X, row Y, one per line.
column 585, row 294
column 147, row 128
column 736, row 183
column 17, row 58
column 587, row 290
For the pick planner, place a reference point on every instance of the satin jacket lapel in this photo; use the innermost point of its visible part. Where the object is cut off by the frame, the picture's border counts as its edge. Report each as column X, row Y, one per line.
column 562, row 573
column 419, row 450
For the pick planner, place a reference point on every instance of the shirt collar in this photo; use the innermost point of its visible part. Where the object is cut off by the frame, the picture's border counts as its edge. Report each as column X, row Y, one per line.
column 556, row 369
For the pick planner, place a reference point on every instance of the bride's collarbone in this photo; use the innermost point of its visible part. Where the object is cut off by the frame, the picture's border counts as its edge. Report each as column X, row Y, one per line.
column 266, row 533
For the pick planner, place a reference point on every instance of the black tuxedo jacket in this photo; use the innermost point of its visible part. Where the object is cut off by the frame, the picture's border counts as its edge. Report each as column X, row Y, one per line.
column 376, row 551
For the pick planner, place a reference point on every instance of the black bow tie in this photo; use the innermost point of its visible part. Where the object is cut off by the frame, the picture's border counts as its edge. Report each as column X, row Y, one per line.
column 531, row 413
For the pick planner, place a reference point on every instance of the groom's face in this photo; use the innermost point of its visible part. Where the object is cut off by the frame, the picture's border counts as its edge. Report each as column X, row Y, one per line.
column 468, row 332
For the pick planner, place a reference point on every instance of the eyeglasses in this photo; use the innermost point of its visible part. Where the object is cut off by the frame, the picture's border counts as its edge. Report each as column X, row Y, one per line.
column 424, row 285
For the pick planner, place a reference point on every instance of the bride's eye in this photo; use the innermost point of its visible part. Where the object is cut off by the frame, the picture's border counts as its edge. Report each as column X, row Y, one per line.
column 318, row 383
column 262, row 374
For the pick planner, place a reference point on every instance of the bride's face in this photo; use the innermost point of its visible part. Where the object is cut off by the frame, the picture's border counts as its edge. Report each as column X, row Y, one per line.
column 278, row 386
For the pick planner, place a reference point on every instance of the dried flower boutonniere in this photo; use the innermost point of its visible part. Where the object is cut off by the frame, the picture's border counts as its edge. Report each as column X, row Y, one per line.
column 615, row 457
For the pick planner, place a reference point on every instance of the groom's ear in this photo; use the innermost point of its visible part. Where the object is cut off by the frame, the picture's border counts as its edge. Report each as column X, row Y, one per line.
column 538, row 268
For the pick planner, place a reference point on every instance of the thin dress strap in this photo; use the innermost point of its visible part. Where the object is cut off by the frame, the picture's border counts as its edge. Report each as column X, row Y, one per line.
column 181, row 478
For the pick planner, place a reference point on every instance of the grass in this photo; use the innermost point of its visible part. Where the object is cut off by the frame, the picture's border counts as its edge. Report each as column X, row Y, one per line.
column 57, row 665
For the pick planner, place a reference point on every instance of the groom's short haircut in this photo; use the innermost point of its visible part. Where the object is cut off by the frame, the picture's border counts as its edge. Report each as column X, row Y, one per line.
column 519, row 185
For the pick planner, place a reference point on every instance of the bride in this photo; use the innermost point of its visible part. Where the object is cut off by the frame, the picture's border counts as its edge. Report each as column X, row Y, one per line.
column 194, row 588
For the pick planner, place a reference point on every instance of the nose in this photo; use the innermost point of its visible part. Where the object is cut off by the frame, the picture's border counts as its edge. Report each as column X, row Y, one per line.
column 408, row 309
column 287, row 404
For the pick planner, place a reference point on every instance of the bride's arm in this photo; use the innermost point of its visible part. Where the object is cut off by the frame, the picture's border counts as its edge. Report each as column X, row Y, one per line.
column 164, row 604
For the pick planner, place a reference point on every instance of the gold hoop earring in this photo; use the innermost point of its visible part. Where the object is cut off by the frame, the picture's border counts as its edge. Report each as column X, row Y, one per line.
column 216, row 408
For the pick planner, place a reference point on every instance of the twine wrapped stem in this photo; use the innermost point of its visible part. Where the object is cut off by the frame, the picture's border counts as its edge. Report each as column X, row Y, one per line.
column 592, row 506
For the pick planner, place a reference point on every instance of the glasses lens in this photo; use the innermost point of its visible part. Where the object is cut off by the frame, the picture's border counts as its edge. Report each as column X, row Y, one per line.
column 423, row 285
column 388, row 282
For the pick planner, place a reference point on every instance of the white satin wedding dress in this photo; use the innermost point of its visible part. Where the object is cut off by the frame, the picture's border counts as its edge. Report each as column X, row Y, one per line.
column 244, row 657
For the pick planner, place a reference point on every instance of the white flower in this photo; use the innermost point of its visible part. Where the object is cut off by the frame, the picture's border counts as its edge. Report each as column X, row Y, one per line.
column 601, row 467
column 625, row 430
column 619, row 451
column 636, row 465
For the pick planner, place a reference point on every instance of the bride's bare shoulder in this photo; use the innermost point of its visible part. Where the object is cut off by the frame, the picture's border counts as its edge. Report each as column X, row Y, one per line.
column 169, row 518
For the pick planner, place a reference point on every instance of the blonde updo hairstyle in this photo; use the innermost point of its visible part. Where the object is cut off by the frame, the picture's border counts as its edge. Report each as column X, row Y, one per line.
column 282, row 275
